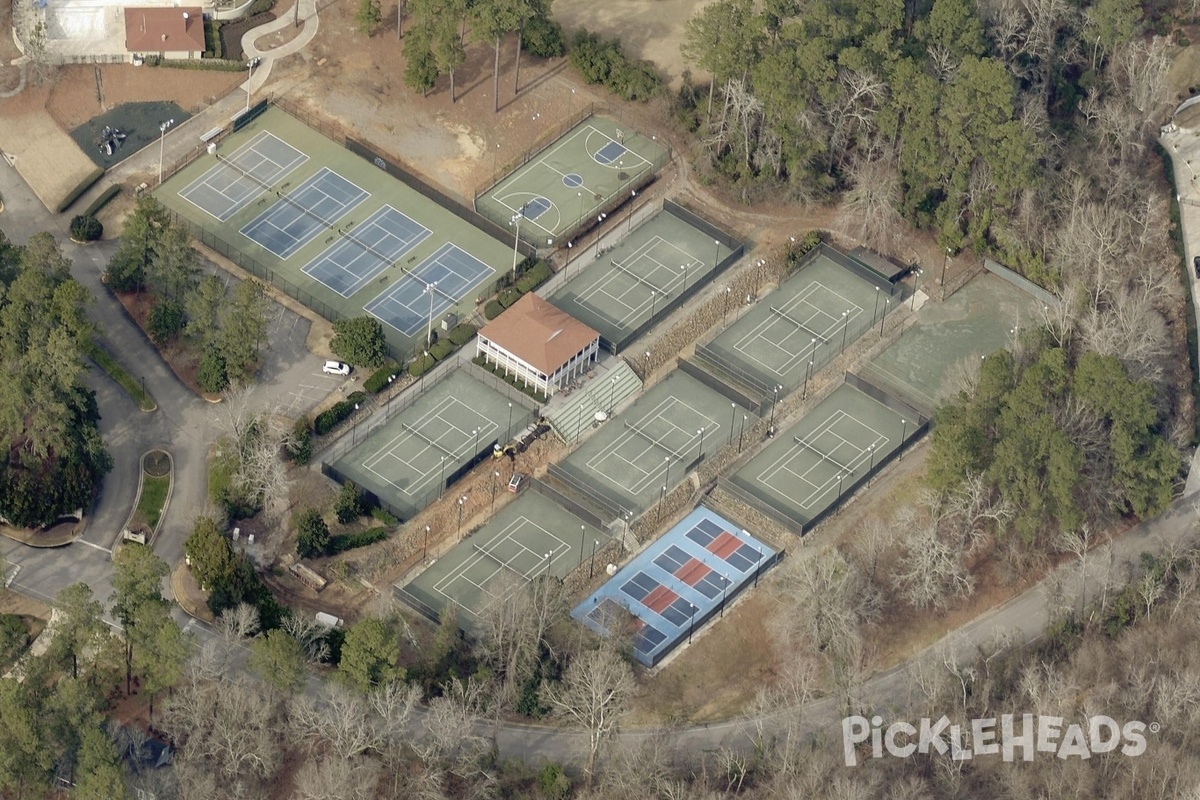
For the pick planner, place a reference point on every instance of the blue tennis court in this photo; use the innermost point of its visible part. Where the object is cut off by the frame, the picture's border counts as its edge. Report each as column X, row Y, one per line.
column 366, row 251
column 677, row 583
column 448, row 276
column 246, row 173
column 302, row 213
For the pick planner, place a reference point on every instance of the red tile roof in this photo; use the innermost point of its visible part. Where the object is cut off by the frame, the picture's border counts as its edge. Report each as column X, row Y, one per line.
column 154, row 30
column 539, row 334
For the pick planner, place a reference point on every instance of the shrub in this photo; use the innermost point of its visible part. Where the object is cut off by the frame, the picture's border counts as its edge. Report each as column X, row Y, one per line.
column 441, row 349
column 553, row 782
column 534, row 277
column 259, row 6
column 312, row 534
column 379, row 379
column 385, row 516
column 166, row 321
column 543, row 38
column 300, row 445
column 214, row 64
column 212, row 39
column 327, row 420
column 349, row 503
column 461, row 334
column 603, row 61
column 508, row 297
column 211, row 375
column 421, row 365
column 340, row 544
column 86, row 228
column 13, row 638
column 492, row 309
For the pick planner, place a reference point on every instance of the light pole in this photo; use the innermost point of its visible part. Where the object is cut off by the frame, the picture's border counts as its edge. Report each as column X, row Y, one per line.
column 732, row 420
column 724, row 589
column 475, row 452
column 845, row 327
column 425, row 551
column 774, row 403
column 254, row 62
column 653, row 302
column 684, row 268
column 612, row 393
column 510, row 421
column 632, row 199
column 162, row 135
column 725, row 306
column 717, row 252
column 876, row 311
column 143, row 388
column 516, row 222
column 945, row 262
column 741, row 432
column 700, row 449
column 807, row 373
column 580, row 206
column 886, row 300
column 442, row 484
column 495, row 477
column 661, row 496
column 424, row 360
column 599, row 222
column 592, row 563
column 461, row 501
column 916, row 283
column 354, row 436
column 758, row 566
column 429, row 289
column 666, row 472
column 692, row 624
column 903, row 430
column 549, row 556
column 839, row 497
column 582, row 536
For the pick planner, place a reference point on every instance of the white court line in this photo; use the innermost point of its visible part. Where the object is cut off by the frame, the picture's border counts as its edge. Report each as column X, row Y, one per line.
column 791, row 454
column 660, row 411
column 601, row 287
column 796, row 355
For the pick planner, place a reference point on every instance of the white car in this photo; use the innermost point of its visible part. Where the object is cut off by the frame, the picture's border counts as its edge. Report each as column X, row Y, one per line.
column 336, row 368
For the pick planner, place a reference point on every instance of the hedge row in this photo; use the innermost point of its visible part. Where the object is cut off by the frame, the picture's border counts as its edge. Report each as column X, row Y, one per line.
column 329, row 419
column 379, row 378
column 510, row 380
column 215, row 64
column 340, row 544
column 461, row 334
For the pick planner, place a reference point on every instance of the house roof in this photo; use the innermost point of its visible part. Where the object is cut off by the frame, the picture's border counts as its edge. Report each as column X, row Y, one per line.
column 539, row 334
column 153, row 30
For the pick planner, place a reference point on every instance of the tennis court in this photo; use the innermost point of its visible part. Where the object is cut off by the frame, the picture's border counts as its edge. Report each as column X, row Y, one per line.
column 528, row 539
column 652, row 444
column 811, row 317
column 332, row 229
column 572, row 180
column 433, row 287
column 315, row 205
column 640, row 277
column 808, row 467
column 409, row 460
column 234, row 181
column 378, row 242
column 678, row 583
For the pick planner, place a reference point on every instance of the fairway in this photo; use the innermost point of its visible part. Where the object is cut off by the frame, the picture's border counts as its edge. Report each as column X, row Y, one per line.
column 334, row 230
column 572, row 180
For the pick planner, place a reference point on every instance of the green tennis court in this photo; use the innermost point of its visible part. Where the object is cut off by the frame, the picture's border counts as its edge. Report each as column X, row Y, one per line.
column 332, row 229
column 647, row 449
column 809, row 466
column 528, row 539
column 640, row 277
column 811, row 317
column 409, row 460
column 572, row 180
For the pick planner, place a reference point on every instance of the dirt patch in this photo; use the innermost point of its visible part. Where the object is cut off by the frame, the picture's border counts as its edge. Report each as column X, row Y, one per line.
column 47, row 158
column 183, row 362
column 22, row 606
column 649, row 29
column 1185, row 66
column 231, row 34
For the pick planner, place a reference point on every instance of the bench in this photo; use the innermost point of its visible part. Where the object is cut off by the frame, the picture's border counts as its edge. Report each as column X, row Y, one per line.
column 211, row 134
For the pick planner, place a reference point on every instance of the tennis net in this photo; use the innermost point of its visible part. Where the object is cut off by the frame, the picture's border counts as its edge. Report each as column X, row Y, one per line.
column 428, row 440
column 328, row 224
column 841, row 467
column 500, row 561
column 656, row 442
column 781, row 313
column 637, row 277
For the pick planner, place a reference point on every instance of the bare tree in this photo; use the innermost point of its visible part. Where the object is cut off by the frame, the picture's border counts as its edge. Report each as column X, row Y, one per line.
column 513, row 627
column 828, row 600
column 333, row 778
column 930, row 567
column 310, row 634
column 336, row 718
column 870, row 208
column 593, row 694
column 258, row 437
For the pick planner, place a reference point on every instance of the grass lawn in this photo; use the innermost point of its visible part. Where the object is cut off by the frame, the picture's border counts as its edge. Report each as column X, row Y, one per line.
column 154, row 494
column 115, row 371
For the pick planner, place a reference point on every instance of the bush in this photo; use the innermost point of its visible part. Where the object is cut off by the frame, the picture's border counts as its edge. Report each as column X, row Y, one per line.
column 543, row 38
column 359, row 340
column 508, row 297
column 442, row 349
column 534, row 277
column 553, row 782
column 349, row 503
column 300, row 447
column 86, row 228
column 492, row 309
column 328, row 420
column 421, row 365
column 379, row 379
column 214, row 64
column 211, row 375
column 212, row 39
column 603, row 61
column 385, row 516
column 166, row 322
column 259, row 6
column 461, row 334
column 13, row 639
column 340, row 544
column 312, row 534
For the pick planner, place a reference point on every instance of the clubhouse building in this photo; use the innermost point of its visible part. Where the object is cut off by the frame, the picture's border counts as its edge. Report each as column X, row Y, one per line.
column 538, row 344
